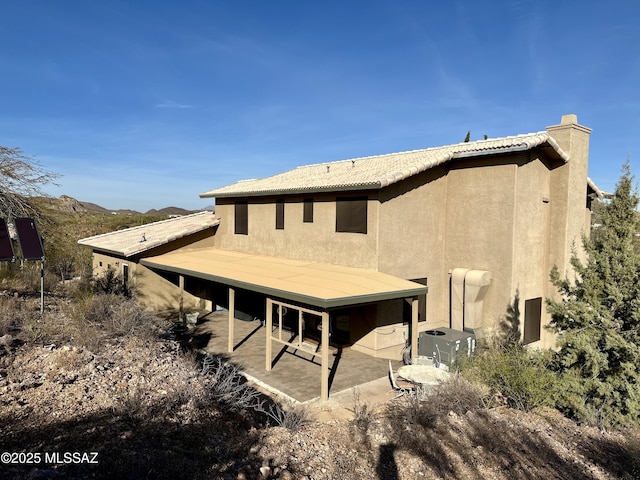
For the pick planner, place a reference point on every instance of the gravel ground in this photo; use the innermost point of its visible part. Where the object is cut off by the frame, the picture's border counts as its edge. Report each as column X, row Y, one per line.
column 141, row 408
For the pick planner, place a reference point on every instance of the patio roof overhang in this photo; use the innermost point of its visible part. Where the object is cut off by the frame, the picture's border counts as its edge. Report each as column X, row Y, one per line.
column 322, row 285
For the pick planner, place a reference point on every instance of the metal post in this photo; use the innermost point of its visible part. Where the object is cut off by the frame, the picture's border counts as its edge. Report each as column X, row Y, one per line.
column 42, row 286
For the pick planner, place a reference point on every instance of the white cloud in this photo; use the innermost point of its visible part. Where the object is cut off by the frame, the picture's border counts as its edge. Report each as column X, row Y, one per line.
column 172, row 104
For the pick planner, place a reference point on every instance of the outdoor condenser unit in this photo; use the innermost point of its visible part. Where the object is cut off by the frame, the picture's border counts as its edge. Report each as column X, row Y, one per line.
column 445, row 344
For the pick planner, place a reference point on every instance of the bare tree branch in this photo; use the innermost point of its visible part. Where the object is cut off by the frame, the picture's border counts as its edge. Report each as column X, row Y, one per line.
column 21, row 178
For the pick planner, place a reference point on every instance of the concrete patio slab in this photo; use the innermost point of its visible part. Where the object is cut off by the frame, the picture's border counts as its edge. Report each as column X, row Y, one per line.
column 295, row 373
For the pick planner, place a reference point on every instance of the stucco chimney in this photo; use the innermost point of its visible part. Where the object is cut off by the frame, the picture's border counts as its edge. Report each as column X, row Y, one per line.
column 569, row 189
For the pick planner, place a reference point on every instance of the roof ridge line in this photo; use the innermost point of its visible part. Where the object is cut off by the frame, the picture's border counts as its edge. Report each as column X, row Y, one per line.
column 146, row 225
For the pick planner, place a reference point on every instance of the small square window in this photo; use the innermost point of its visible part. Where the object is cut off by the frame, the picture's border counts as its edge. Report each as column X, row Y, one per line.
column 351, row 215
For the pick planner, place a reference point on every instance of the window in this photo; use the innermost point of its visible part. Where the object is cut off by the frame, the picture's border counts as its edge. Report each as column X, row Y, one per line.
column 307, row 216
column 241, row 224
column 532, row 316
column 125, row 277
column 351, row 215
column 279, row 214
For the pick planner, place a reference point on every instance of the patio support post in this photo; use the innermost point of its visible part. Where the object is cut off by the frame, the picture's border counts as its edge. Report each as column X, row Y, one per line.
column 232, row 312
column 269, row 329
column 414, row 329
column 324, row 380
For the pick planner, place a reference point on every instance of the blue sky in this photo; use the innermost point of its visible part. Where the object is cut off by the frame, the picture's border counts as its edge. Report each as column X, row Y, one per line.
column 146, row 104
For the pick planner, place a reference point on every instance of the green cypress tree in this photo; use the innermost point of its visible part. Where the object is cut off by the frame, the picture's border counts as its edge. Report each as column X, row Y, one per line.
column 598, row 319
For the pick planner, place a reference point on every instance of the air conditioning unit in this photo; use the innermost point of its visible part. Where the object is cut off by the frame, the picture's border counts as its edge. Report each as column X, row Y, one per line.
column 444, row 345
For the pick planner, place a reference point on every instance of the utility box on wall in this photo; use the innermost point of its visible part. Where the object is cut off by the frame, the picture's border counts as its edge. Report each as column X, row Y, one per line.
column 445, row 344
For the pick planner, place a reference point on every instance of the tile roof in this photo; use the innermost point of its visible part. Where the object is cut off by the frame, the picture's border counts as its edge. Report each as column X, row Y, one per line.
column 134, row 240
column 381, row 170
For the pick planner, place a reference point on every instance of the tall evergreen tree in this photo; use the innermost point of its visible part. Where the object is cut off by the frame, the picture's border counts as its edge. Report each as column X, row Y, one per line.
column 598, row 318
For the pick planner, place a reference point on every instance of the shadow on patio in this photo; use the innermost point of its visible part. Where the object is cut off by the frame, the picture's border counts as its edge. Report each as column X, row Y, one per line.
column 295, row 373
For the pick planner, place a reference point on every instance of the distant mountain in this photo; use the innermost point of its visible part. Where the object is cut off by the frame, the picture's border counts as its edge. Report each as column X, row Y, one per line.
column 169, row 211
column 69, row 204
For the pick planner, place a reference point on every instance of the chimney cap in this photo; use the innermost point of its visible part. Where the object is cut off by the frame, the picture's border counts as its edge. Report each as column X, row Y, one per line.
column 570, row 119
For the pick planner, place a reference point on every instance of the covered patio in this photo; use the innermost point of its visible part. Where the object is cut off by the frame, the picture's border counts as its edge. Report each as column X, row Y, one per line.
column 295, row 372
column 312, row 289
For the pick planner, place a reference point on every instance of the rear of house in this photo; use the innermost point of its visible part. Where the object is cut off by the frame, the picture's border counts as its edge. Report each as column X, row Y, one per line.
column 481, row 223
column 345, row 252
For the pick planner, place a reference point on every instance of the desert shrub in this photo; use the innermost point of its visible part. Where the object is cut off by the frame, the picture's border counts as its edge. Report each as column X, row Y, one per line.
column 522, row 377
column 22, row 314
column 456, row 394
column 94, row 318
column 230, row 390
column 129, row 317
column 11, row 313
column 363, row 415
column 110, row 283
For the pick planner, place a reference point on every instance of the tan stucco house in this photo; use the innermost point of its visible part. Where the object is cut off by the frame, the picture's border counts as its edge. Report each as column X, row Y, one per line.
column 122, row 251
column 346, row 251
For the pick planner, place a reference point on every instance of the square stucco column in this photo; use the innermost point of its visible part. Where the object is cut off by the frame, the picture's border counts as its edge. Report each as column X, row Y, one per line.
column 414, row 329
column 232, row 314
column 269, row 329
column 324, row 380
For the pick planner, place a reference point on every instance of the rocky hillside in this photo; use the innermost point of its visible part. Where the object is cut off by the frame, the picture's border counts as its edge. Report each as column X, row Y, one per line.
column 132, row 404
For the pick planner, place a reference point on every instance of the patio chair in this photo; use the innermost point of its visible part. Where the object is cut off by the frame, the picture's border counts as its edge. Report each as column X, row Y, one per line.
column 395, row 388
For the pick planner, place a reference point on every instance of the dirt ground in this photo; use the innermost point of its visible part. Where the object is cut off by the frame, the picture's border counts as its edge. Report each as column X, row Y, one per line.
column 140, row 408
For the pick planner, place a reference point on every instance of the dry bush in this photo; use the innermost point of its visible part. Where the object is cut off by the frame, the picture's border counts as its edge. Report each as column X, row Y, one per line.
column 522, row 377
column 363, row 415
column 456, row 394
column 96, row 318
column 128, row 317
column 230, row 390
column 131, row 399
column 42, row 328
column 11, row 313
column 69, row 359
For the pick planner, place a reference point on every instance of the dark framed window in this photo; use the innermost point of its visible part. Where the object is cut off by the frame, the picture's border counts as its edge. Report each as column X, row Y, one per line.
column 532, row 320
column 279, row 214
column 351, row 214
column 125, row 277
column 307, row 215
column 241, row 218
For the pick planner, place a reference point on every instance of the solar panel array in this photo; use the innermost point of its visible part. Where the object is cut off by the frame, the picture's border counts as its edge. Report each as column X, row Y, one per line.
column 28, row 237
column 6, row 247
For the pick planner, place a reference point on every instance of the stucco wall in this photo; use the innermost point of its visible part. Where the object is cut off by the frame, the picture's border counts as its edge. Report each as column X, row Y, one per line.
column 412, row 237
column 150, row 289
column 484, row 214
column 480, row 226
column 317, row 241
